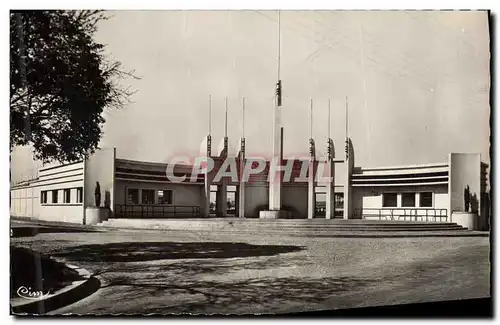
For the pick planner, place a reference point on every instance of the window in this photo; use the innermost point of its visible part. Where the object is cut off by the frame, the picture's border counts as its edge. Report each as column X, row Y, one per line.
column 164, row 196
column 44, row 197
column 132, row 196
column 320, row 204
column 148, row 196
column 339, row 204
column 390, row 200
column 408, row 199
column 339, row 200
column 54, row 196
column 79, row 195
column 67, row 195
column 426, row 200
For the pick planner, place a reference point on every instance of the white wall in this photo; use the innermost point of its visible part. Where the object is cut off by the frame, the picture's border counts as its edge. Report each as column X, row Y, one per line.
column 60, row 211
column 465, row 169
column 100, row 167
column 26, row 201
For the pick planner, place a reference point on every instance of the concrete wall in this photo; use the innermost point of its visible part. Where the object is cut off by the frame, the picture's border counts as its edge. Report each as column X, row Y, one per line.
column 58, row 178
column 294, row 197
column 256, row 196
column 465, row 169
column 26, row 201
column 100, row 167
column 182, row 194
column 366, row 198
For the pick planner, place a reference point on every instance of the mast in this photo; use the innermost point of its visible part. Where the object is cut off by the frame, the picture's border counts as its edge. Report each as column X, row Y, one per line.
column 279, row 43
column 209, row 136
column 311, row 120
column 243, row 119
column 225, row 121
column 329, row 114
column 347, row 127
column 209, row 114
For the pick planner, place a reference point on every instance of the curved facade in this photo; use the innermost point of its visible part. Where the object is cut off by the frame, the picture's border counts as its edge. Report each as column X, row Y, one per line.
column 137, row 189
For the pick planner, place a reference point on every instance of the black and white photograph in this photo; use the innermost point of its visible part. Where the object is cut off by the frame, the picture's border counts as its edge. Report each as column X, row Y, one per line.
column 250, row 162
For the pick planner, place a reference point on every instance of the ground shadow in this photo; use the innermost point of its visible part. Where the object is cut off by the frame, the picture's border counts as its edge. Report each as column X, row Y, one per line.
column 210, row 296
column 33, row 231
column 150, row 251
column 36, row 272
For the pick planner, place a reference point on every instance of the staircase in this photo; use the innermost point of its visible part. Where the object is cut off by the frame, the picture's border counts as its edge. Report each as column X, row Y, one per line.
column 300, row 227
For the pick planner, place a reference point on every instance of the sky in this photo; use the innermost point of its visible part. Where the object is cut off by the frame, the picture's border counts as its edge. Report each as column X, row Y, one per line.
column 417, row 83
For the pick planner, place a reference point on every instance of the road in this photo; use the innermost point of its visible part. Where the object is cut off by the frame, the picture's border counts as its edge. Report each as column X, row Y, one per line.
column 198, row 273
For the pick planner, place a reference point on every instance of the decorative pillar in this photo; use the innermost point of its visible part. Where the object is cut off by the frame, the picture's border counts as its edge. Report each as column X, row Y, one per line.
column 207, row 180
column 330, row 189
column 311, row 199
column 330, row 171
column 241, row 190
column 222, row 187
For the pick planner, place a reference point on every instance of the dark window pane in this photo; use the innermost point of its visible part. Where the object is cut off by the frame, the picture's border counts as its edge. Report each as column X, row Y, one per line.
column 54, row 196
column 79, row 195
column 148, row 196
column 169, row 197
column 426, row 199
column 67, row 196
column 164, row 196
column 132, row 196
column 389, row 200
column 339, row 200
column 408, row 200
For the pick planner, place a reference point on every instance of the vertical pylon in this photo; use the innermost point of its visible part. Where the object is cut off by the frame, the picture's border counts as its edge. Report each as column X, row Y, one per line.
column 348, row 162
column 221, row 201
column 225, row 131
column 207, row 176
column 241, row 192
column 311, row 200
column 330, row 169
column 277, row 156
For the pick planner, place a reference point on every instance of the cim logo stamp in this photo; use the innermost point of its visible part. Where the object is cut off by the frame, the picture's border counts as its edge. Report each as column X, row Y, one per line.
column 26, row 293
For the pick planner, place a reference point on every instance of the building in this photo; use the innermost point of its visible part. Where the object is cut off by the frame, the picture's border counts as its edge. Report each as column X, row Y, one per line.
column 136, row 189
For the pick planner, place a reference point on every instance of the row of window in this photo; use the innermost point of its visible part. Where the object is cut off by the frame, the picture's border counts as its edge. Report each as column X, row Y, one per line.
column 149, row 196
column 66, row 195
column 390, row 200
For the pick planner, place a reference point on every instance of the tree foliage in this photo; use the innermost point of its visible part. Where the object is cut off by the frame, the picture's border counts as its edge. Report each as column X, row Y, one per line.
column 60, row 83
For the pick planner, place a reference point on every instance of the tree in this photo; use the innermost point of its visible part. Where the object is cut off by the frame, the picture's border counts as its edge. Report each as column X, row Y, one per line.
column 60, row 83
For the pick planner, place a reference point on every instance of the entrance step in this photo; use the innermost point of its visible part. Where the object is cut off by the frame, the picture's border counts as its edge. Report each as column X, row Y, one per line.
column 308, row 228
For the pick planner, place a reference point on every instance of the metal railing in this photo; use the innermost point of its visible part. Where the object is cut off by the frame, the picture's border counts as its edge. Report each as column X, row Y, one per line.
column 406, row 214
column 156, row 211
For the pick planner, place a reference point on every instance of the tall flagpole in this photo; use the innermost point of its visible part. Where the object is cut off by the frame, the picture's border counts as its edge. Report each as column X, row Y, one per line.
column 329, row 114
column 311, row 121
column 243, row 119
column 225, row 121
column 209, row 114
column 279, row 44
